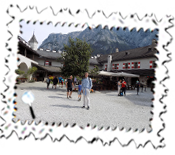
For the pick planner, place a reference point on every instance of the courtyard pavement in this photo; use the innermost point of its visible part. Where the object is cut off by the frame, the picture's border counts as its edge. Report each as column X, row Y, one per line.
column 107, row 109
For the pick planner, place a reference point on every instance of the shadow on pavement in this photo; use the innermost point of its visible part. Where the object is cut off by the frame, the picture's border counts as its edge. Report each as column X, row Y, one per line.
column 66, row 106
column 41, row 88
column 54, row 97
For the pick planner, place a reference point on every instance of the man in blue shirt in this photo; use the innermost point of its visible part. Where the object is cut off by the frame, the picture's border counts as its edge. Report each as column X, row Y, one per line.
column 86, row 87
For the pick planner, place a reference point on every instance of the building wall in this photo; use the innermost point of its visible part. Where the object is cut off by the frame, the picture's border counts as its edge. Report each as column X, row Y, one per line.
column 56, row 63
column 144, row 63
column 25, row 60
column 92, row 67
column 42, row 61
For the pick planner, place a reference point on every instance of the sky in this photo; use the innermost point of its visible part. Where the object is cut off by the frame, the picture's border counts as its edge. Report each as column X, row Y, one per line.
column 42, row 31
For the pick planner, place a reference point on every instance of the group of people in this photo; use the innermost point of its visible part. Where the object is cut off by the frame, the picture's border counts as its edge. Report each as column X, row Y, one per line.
column 55, row 81
column 122, row 87
column 84, row 88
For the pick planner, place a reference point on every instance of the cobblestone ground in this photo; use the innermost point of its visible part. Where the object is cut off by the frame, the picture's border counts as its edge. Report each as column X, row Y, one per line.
column 107, row 109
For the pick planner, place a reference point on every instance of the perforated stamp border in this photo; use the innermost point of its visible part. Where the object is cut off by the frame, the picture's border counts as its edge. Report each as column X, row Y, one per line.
column 57, row 131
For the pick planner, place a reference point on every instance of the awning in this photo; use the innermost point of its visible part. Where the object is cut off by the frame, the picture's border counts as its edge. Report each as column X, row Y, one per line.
column 105, row 73
column 120, row 74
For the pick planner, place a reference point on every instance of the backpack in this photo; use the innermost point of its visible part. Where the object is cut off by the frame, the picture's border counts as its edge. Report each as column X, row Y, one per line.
column 121, row 93
column 48, row 80
column 89, row 81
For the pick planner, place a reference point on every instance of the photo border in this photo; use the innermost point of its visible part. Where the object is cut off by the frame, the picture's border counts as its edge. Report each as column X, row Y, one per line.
column 90, row 134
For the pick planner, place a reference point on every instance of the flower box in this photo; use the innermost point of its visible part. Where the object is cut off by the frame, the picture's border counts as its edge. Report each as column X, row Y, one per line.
column 92, row 91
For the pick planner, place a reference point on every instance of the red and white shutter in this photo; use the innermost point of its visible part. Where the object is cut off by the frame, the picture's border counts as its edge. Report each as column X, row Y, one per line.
column 132, row 66
column 117, row 66
column 113, row 66
column 123, row 65
column 47, row 63
column 138, row 65
column 129, row 65
column 151, row 64
column 105, row 67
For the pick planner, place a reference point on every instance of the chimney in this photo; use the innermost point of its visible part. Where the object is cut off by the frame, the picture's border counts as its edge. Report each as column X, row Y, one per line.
column 117, row 50
column 109, row 63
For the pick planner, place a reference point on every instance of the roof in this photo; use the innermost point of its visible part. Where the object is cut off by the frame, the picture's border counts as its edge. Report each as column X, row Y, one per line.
column 47, row 54
column 26, row 45
column 142, row 52
column 94, row 61
column 54, row 69
column 40, row 53
column 33, row 39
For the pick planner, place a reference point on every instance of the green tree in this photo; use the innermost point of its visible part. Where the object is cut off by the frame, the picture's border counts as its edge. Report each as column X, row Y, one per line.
column 19, row 72
column 32, row 70
column 94, row 71
column 76, row 58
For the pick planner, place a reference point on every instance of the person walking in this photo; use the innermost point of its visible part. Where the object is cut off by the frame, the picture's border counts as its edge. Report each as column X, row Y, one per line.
column 60, row 79
column 141, row 85
column 124, row 87
column 48, row 82
column 75, row 80
column 79, row 91
column 86, row 87
column 119, row 86
column 137, row 85
column 69, row 85
column 55, row 82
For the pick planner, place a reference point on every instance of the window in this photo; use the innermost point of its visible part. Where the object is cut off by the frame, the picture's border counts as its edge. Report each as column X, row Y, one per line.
column 48, row 63
column 105, row 67
column 126, row 65
column 135, row 64
column 154, row 64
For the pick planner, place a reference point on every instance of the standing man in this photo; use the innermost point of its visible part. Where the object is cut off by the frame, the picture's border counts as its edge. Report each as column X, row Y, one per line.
column 124, row 87
column 69, row 85
column 48, row 82
column 141, row 85
column 137, row 85
column 75, row 80
column 119, row 86
column 86, row 87
column 55, row 82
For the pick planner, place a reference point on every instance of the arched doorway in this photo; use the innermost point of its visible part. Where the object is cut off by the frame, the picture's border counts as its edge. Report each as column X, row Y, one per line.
column 23, row 67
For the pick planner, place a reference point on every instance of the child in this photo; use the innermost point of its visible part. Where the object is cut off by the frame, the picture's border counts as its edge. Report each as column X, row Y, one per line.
column 79, row 91
column 48, row 82
column 62, row 81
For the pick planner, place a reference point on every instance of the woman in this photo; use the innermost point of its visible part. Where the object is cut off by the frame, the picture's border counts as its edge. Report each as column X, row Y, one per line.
column 119, row 86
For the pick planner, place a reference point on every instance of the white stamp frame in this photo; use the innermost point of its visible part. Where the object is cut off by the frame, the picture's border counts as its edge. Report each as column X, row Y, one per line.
column 75, row 133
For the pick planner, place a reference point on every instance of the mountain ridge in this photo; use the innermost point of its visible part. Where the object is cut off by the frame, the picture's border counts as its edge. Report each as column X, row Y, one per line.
column 102, row 41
